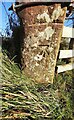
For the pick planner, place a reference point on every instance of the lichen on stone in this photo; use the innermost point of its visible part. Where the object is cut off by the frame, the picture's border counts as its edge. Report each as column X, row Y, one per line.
column 54, row 16
column 38, row 57
column 44, row 16
column 49, row 32
column 50, row 49
column 46, row 34
column 57, row 13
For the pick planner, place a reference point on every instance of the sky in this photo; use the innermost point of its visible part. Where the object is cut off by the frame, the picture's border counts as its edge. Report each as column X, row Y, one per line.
column 4, row 17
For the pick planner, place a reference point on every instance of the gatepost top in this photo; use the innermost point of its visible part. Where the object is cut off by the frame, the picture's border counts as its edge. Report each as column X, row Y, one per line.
column 44, row 1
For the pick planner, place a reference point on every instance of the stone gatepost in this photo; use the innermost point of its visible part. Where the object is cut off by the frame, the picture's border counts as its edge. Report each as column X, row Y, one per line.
column 43, row 25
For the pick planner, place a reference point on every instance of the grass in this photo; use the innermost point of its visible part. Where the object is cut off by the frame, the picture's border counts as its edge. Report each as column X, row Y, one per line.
column 24, row 99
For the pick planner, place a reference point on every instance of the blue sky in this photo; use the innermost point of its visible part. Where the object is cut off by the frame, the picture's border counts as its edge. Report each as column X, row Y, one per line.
column 4, row 18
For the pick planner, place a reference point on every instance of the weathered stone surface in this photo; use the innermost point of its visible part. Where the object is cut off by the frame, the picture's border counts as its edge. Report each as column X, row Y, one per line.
column 43, row 28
